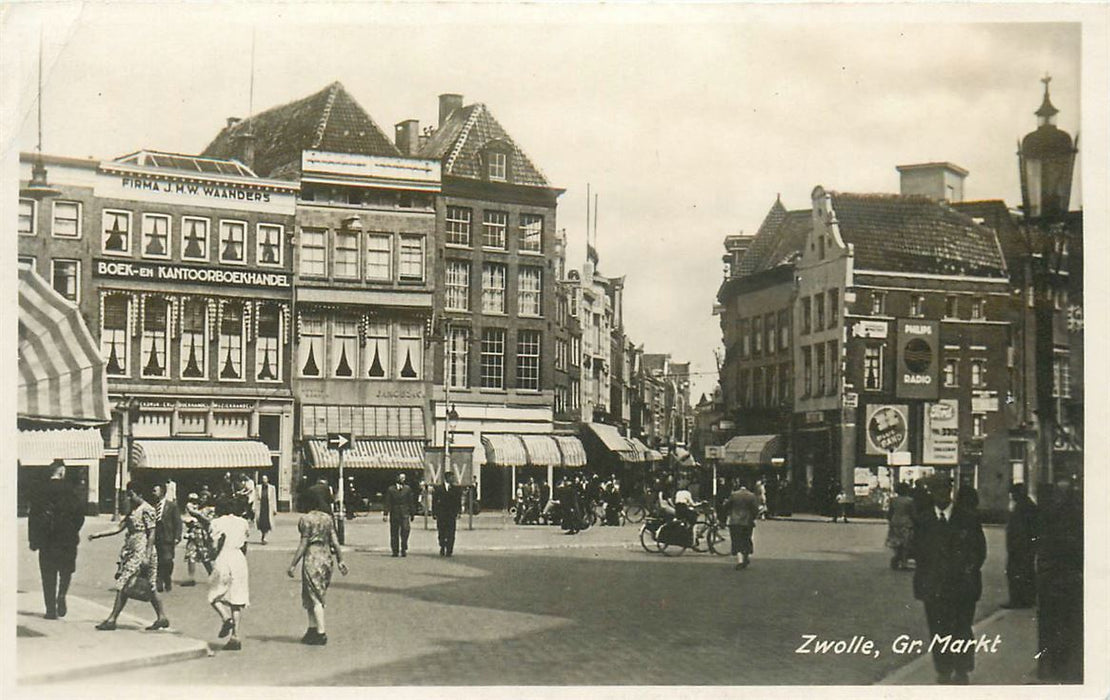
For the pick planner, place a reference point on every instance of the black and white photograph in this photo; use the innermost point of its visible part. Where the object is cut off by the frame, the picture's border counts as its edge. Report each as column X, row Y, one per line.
column 567, row 348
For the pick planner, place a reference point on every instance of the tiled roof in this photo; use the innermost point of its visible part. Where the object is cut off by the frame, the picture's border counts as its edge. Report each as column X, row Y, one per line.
column 915, row 234
column 780, row 237
column 460, row 142
column 330, row 120
column 995, row 214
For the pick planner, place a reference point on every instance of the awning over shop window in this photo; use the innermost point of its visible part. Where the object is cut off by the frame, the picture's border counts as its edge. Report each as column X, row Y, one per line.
column 615, row 442
column 61, row 371
column 574, row 455
column 642, row 450
column 370, row 454
column 542, row 451
column 504, row 450
column 41, row 447
column 752, row 449
column 200, row 454
column 654, row 455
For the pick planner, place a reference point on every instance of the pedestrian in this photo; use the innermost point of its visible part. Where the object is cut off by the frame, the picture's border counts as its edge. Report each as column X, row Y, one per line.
column 400, row 509
column 841, row 506
column 950, row 549
column 900, row 528
column 204, row 498
column 198, row 540
column 570, row 498
column 266, row 498
column 138, row 560
column 171, row 490
column 761, row 497
column 446, row 504
column 318, row 548
column 167, row 535
column 743, row 509
column 246, row 492
column 229, row 583
column 53, row 530
column 1021, row 549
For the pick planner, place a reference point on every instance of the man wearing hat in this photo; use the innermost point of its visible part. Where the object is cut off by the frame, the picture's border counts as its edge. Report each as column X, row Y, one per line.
column 400, row 508
column 53, row 530
column 446, row 504
column 950, row 550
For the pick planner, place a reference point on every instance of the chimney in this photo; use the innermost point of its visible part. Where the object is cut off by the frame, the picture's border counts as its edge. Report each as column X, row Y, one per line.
column 244, row 148
column 406, row 135
column 941, row 182
column 448, row 102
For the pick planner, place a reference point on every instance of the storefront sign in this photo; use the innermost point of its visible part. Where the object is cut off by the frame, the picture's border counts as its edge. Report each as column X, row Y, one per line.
column 916, row 373
column 413, row 170
column 942, row 432
column 984, row 403
column 887, row 428
column 147, row 187
column 195, row 274
column 869, row 329
column 851, row 399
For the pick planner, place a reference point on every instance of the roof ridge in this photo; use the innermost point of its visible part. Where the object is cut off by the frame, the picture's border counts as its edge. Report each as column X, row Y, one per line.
column 460, row 141
column 333, row 90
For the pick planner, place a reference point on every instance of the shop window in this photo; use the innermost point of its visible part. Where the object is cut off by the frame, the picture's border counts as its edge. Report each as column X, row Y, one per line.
column 410, row 350
column 528, row 360
column 194, row 238
column 26, row 224
column 377, row 350
column 117, row 232
column 231, row 343
column 458, row 359
column 267, row 349
column 411, row 266
column 531, row 233
column 156, row 236
column 314, row 252
column 65, row 275
column 457, row 285
column 270, row 244
column 493, row 288
column 529, row 283
column 344, row 346
column 457, row 230
column 154, row 346
column 67, row 219
column 114, row 331
column 194, row 339
column 379, row 256
column 310, row 349
column 233, row 236
column 493, row 358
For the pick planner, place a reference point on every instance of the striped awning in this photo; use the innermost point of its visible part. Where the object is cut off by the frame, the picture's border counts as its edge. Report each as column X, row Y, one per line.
column 542, row 451
column 615, row 442
column 654, row 455
column 200, row 454
column 41, row 447
column 370, row 454
column 504, row 450
column 61, row 371
column 574, row 455
column 752, row 449
column 642, row 450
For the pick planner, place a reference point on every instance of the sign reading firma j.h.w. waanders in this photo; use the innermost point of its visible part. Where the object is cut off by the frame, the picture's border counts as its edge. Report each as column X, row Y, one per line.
column 260, row 196
column 195, row 274
column 918, row 358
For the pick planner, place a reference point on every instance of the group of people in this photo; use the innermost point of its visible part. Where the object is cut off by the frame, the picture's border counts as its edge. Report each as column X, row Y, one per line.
column 569, row 504
column 400, row 508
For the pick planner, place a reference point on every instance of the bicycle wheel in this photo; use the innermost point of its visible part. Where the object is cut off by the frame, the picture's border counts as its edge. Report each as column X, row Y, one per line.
column 701, row 536
column 670, row 550
column 648, row 541
column 633, row 513
column 718, row 541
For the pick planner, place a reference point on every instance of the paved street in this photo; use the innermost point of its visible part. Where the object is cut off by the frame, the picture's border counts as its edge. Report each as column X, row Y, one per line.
column 532, row 606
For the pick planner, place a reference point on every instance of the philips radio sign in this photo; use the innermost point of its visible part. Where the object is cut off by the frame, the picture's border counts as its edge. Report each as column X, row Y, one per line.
column 918, row 359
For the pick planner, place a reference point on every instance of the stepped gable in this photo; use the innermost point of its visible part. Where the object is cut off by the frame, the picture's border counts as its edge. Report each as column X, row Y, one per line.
column 466, row 132
column 914, row 234
column 330, row 120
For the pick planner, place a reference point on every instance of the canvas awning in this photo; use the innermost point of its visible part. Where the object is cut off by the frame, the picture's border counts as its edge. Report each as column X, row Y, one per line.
column 61, row 371
column 643, row 451
column 200, row 454
column 752, row 450
column 574, row 455
column 654, row 455
column 504, row 450
column 542, row 451
column 41, row 447
column 614, row 441
column 369, row 454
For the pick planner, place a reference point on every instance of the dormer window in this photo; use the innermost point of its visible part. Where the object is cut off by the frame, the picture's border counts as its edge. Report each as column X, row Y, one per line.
column 498, row 164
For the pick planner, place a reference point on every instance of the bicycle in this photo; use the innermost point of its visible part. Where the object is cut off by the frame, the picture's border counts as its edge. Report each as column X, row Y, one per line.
column 675, row 536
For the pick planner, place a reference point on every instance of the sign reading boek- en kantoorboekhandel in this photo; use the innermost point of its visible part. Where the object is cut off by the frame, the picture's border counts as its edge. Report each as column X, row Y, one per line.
column 197, row 274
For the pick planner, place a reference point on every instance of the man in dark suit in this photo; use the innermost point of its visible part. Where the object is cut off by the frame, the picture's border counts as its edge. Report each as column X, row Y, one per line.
column 446, row 505
column 53, row 530
column 950, row 550
column 400, row 507
column 1021, row 548
column 167, row 535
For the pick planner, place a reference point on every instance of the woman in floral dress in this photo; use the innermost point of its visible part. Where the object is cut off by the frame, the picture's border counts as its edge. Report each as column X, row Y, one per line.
column 137, row 558
column 317, row 547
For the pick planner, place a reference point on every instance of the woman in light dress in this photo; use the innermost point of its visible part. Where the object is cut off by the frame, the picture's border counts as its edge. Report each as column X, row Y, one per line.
column 228, row 586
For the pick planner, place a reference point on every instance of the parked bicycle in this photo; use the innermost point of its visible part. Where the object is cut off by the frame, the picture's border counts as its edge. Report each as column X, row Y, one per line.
column 673, row 536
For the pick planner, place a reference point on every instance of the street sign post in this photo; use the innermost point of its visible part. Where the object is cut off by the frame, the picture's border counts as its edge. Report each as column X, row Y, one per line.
column 341, row 442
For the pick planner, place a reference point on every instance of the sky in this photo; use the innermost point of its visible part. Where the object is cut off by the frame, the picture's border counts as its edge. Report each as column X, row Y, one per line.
column 687, row 121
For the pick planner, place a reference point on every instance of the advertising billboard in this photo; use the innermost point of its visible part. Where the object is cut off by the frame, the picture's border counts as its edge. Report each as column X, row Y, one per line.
column 887, row 428
column 917, row 371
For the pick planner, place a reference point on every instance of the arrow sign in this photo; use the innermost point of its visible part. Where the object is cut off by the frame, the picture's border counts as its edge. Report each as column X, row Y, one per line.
column 339, row 441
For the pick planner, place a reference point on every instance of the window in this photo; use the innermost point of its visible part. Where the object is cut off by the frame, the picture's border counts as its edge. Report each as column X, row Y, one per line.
column 114, row 332
column 978, row 425
column 65, row 275
column 819, row 310
column 575, row 394
column 194, row 339
column 822, row 376
column 528, row 360
column 412, row 258
column 498, row 166
column 576, row 352
column 807, row 372
column 269, row 244
column 493, row 288
column 194, row 238
column 310, row 349
column 745, row 338
column 878, row 303
column 745, row 388
column 757, row 386
column 560, row 354
column 117, row 231
column 1060, row 298
column 785, row 378
column 267, row 349
column 457, row 292
column 784, row 330
column 344, row 346
column 156, row 236
column 458, row 226
column 67, row 219
column 345, row 263
column 529, row 291
column 978, row 373
column 531, row 233
column 379, row 256
column 978, row 309
column 377, row 350
column 951, row 372
column 314, row 252
column 28, row 260
column 231, row 343
column 834, row 307
column 560, row 399
column 951, row 306
column 458, row 357
column 807, row 318
column 410, row 349
column 757, row 336
column 26, row 224
column 769, row 331
column 873, row 368
column 154, row 348
column 771, row 387
column 917, row 305
column 233, row 235
column 833, row 359
column 1061, row 376
column 493, row 229
column 493, row 358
